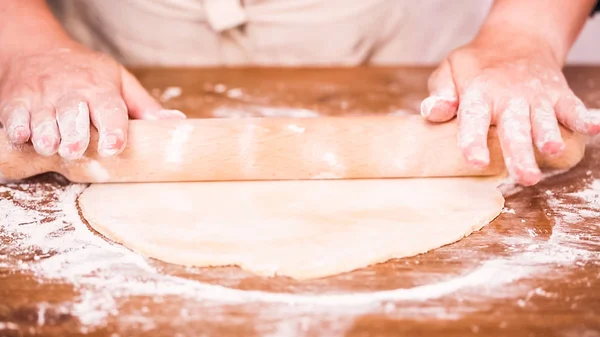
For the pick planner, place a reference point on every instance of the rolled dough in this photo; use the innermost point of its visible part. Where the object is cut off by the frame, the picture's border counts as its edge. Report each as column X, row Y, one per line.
column 301, row 229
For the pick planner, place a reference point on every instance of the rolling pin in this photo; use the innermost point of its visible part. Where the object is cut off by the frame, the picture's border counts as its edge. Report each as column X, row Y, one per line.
column 223, row 149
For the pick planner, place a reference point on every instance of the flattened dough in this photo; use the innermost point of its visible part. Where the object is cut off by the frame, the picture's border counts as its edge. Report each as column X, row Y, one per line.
column 301, row 229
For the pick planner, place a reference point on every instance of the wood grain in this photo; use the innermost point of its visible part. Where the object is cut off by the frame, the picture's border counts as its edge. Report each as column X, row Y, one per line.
column 227, row 149
column 548, row 238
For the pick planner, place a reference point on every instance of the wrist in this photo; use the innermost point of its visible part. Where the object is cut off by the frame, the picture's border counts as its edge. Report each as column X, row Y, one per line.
column 550, row 25
column 29, row 27
column 519, row 40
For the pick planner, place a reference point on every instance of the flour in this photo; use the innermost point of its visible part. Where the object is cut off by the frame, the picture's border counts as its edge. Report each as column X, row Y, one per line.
column 45, row 138
column 105, row 275
column 169, row 93
column 17, row 125
column 179, row 137
column 8, row 326
column 335, row 165
column 295, row 128
column 220, row 88
column 235, row 93
column 440, row 97
column 401, row 112
column 511, row 187
column 569, row 214
column 77, row 126
column 97, row 171
column 262, row 111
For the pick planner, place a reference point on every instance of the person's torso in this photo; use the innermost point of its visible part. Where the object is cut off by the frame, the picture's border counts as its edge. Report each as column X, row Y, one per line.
column 271, row 32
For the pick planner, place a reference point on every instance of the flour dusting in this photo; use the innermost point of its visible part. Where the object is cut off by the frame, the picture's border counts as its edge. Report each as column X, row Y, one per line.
column 97, row 171
column 169, row 93
column 179, row 137
column 105, row 275
column 262, row 111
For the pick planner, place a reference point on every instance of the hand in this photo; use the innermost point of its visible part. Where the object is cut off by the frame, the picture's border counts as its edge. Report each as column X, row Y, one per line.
column 50, row 96
column 516, row 83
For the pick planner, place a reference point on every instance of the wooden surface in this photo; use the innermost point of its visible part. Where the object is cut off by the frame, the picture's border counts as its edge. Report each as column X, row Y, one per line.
column 535, row 271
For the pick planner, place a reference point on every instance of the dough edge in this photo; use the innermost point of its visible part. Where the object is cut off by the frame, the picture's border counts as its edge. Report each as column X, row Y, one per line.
column 173, row 255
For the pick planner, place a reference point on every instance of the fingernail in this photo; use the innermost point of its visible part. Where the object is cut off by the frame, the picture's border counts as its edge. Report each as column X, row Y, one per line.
column 163, row 114
column 110, row 143
column 479, row 157
column 552, row 147
column 70, row 151
column 171, row 113
column 435, row 99
column 73, row 146
column 18, row 134
column 75, row 132
column 46, row 145
column 427, row 105
column 530, row 176
column 18, row 126
column 45, row 139
column 591, row 123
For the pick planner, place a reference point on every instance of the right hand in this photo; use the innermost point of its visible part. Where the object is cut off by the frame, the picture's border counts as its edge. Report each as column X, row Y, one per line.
column 50, row 97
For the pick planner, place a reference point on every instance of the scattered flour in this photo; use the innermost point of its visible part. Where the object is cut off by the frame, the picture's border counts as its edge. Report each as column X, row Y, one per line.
column 97, row 171
column 295, row 128
column 179, row 137
column 169, row 93
column 235, row 93
column 260, row 111
column 105, row 275
column 571, row 213
column 510, row 186
column 401, row 112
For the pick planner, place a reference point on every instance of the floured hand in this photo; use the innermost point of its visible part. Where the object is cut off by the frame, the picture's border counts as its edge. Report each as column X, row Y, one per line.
column 510, row 75
column 53, row 96
column 518, row 86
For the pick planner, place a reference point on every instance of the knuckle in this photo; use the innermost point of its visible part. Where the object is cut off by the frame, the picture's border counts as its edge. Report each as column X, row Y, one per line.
column 518, row 103
column 110, row 106
column 469, row 109
column 543, row 104
column 104, row 58
column 570, row 101
column 103, row 86
column 70, row 97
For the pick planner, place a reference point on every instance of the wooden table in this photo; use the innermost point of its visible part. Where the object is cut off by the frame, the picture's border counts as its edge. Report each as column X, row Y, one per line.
column 535, row 271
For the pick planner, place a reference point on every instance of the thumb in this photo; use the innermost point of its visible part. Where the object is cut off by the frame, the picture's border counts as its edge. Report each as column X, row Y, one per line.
column 140, row 104
column 442, row 103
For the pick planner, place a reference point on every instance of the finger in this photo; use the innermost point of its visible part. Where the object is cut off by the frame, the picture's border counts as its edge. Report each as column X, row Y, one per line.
column 109, row 115
column 514, row 130
column 572, row 113
column 15, row 118
column 442, row 103
column 545, row 130
column 140, row 104
column 73, row 116
column 474, row 118
column 44, row 130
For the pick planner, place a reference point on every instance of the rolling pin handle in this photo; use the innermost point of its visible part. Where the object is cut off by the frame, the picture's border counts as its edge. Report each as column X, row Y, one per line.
column 18, row 162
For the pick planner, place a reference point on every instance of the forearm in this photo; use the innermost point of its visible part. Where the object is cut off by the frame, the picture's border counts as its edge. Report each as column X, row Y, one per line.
column 556, row 23
column 28, row 25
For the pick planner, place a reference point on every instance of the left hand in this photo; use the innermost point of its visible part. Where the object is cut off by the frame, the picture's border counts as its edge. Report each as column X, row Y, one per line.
column 516, row 83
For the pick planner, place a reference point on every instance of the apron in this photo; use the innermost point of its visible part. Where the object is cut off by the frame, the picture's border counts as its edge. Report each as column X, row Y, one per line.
column 272, row 32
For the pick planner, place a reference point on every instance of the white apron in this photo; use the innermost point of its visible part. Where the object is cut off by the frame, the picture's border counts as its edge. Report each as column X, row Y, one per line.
column 273, row 32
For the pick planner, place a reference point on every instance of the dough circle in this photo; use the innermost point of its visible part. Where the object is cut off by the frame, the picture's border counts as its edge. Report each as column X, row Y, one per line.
column 300, row 229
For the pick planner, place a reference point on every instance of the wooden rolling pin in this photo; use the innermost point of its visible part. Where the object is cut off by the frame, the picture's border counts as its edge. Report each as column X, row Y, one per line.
column 274, row 149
